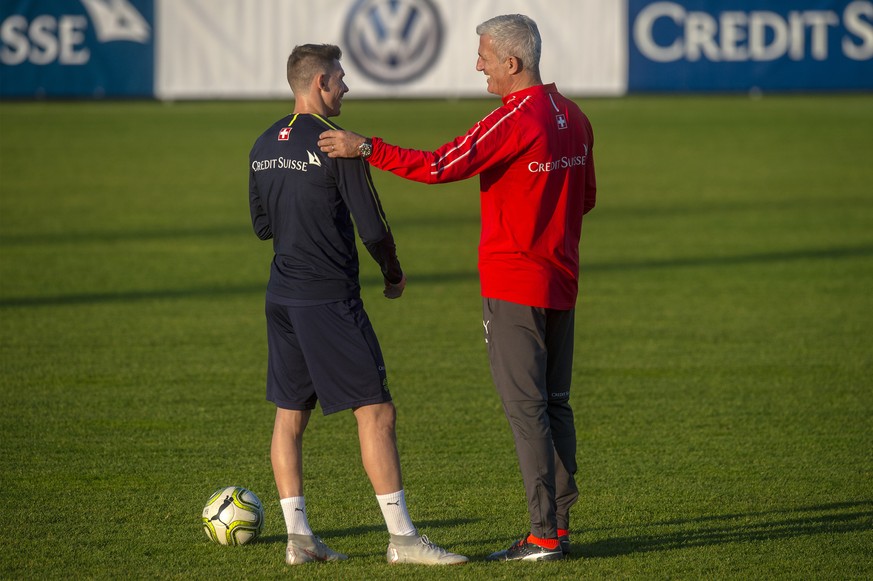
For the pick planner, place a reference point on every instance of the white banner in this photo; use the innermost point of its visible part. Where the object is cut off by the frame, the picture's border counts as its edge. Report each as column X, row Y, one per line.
column 231, row 49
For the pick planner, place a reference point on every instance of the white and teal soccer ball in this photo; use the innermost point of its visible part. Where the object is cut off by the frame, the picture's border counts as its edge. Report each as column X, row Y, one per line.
column 233, row 516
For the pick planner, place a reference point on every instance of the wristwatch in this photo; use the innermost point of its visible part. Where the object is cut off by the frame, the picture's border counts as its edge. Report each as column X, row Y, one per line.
column 365, row 149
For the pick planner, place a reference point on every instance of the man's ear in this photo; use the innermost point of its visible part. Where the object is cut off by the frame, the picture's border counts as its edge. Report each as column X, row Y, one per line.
column 514, row 65
column 322, row 82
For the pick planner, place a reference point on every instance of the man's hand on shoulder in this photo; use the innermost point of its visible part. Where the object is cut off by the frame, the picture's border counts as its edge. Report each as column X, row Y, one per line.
column 337, row 143
column 393, row 291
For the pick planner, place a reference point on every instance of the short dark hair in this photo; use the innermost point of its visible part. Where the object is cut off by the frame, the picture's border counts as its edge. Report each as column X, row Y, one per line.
column 308, row 60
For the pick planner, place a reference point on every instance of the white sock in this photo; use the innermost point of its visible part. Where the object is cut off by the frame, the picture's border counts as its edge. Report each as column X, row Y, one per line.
column 294, row 508
column 396, row 516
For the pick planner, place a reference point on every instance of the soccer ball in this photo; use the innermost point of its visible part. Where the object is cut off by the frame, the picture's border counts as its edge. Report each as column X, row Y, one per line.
column 233, row 516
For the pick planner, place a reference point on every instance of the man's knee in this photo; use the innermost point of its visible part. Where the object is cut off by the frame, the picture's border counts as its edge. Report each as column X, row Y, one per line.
column 561, row 418
column 291, row 423
column 380, row 416
column 529, row 419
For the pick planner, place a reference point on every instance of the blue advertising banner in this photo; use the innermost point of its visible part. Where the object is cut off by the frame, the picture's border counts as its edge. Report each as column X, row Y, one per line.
column 75, row 49
column 748, row 45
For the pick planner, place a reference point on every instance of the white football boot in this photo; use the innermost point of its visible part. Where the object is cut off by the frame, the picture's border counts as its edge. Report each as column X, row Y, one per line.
column 420, row 551
column 305, row 549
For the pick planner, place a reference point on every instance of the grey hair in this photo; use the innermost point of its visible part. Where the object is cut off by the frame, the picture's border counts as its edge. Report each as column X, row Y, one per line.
column 514, row 35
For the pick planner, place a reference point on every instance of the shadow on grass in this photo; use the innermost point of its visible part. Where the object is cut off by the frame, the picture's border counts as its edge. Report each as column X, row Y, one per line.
column 833, row 253
column 69, row 239
column 834, row 518
column 434, row 278
column 842, row 517
column 240, row 230
column 202, row 293
column 422, row 526
column 131, row 296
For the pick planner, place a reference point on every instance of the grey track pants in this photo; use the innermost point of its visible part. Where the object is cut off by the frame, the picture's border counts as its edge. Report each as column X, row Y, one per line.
column 531, row 355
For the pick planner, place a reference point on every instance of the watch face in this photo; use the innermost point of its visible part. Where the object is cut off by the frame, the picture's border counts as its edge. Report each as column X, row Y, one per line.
column 366, row 149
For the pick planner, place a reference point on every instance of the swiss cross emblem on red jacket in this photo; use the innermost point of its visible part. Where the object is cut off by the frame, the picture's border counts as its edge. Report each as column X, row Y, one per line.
column 562, row 121
column 284, row 133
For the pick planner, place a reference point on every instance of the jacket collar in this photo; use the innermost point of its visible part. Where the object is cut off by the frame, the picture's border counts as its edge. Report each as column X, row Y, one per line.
column 536, row 89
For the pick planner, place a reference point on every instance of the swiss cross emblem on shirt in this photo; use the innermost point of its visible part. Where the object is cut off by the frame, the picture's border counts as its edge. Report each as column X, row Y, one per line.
column 284, row 133
column 562, row 121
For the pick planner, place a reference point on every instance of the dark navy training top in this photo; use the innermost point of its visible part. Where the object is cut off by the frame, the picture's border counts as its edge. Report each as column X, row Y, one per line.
column 305, row 202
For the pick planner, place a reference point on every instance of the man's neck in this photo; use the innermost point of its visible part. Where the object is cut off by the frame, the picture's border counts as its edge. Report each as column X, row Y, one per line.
column 307, row 107
column 522, row 82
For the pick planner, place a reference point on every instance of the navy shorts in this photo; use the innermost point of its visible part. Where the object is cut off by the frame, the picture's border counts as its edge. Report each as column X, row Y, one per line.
column 326, row 353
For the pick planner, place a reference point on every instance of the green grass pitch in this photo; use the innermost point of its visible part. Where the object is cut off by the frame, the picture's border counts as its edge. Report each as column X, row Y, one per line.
column 722, row 386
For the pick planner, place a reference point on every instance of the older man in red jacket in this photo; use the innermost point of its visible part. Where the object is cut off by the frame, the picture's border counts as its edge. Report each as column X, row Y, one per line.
column 534, row 156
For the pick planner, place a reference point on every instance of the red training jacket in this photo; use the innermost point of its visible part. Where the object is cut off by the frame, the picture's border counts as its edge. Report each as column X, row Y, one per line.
column 535, row 161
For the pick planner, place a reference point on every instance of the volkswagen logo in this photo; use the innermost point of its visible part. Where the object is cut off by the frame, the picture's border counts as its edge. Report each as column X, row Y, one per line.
column 393, row 41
